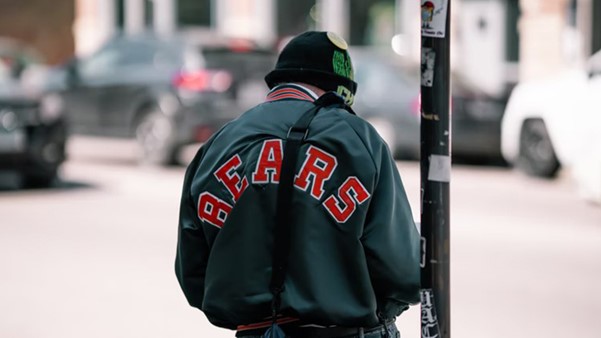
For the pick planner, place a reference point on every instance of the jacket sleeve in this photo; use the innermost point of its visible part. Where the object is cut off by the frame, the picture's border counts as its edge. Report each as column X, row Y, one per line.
column 192, row 246
column 391, row 242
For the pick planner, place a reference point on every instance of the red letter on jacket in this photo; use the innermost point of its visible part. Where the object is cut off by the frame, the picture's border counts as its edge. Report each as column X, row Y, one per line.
column 212, row 210
column 318, row 165
column 350, row 192
column 269, row 163
column 227, row 175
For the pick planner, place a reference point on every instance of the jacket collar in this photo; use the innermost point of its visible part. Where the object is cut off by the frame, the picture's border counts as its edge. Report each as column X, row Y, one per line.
column 291, row 91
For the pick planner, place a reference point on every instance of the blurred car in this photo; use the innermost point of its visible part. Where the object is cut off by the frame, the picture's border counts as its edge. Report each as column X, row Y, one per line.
column 554, row 123
column 389, row 98
column 165, row 93
column 32, row 132
column 476, row 118
column 587, row 166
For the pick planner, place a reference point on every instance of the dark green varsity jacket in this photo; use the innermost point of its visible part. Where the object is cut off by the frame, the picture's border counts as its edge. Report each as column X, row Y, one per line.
column 354, row 253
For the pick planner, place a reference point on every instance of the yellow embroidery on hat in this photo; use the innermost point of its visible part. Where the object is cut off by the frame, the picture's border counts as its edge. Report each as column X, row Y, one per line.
column 337, row 40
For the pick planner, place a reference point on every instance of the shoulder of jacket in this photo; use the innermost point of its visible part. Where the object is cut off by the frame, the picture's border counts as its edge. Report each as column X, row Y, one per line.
column 364, row 131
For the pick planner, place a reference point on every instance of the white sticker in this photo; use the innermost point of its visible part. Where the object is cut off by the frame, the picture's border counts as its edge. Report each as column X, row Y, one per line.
column 428, row 60
column 440, row 168
column 434, row 18
column 430, row 327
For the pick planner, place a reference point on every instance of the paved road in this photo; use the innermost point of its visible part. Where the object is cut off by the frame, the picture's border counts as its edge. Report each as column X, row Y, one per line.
column 93, row 257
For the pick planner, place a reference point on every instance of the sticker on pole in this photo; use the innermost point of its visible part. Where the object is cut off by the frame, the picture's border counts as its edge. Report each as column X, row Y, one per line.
column 429, row 325
column 440, row 168
column 434, row 18
column 427, row 67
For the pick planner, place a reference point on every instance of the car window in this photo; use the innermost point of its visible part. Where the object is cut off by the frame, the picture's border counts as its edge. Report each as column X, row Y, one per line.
column 13, row 62
column 21, row 67
column 104, row 61
column 241, row 64
column 121, row 56
column 5, row 71
column 378, row 81
column 132, row 54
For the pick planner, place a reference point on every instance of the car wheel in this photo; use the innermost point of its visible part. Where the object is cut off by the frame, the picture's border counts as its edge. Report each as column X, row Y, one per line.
column 39, row 180
column 46, row 153
column 154, row 134
column 537, row 156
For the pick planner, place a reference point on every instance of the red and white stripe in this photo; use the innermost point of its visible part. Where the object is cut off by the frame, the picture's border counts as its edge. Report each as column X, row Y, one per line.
column 267, row 323
column 289, row 92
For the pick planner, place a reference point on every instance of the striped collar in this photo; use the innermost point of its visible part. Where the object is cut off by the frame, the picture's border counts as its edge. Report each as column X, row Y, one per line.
column 291, row 91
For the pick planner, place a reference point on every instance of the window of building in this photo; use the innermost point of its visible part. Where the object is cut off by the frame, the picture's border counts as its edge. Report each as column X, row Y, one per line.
column 120, row 13
column 194, row 12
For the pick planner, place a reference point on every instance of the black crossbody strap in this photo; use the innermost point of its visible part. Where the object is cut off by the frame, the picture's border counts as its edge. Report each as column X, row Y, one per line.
column 282, row 232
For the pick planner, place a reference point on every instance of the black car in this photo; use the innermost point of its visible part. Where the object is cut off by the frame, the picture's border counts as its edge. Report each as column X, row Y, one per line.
column 389, row 98
column 166, row 93
column 476, row 118
column 32, row 131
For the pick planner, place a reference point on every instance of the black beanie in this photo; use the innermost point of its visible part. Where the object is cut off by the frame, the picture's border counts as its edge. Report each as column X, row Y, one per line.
column 317, row 58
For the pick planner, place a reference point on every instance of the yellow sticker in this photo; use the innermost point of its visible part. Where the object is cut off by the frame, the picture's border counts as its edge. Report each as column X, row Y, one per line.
column 337, row 40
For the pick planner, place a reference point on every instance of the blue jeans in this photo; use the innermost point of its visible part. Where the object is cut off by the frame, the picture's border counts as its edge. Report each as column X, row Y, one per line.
column 393, row 332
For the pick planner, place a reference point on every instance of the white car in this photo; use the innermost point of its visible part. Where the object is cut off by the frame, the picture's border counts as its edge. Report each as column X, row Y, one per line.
column 554, row 123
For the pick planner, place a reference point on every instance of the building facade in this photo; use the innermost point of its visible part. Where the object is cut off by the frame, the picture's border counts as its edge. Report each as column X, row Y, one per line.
column 494, row 42
column 45, row 25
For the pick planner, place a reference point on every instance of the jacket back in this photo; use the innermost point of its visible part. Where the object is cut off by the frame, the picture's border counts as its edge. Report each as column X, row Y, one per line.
column 354, row 250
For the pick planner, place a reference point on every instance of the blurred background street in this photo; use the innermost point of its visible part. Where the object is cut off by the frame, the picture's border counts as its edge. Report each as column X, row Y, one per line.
column 93, row 256
column 104, row 102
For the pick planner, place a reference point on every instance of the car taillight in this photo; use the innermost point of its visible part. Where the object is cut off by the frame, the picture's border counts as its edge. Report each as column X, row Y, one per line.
column 241, row 45
column 203, row 80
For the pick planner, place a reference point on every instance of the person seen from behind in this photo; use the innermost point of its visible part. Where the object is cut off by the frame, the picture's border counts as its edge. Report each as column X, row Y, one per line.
column 351, row 258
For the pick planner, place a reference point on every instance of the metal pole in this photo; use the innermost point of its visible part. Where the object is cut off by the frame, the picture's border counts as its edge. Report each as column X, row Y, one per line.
column 435, row 168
